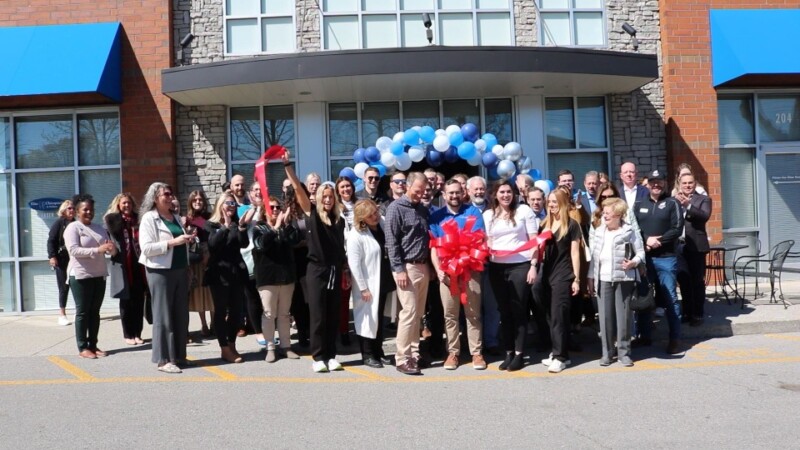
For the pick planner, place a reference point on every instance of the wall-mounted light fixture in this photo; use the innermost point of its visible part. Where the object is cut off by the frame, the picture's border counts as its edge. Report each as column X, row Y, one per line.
column 632, row 33
column 184, row 43
column 426, row 20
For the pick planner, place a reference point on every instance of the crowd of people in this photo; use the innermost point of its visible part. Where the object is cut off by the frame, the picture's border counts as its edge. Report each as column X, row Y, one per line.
column 547, row 264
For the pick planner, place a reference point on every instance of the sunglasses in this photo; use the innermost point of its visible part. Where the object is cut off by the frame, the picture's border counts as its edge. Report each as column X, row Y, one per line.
column 603, row 197
column 166, row 194
column 274, row 207
column 400, row 182
column 373, row 178
column 230, row 203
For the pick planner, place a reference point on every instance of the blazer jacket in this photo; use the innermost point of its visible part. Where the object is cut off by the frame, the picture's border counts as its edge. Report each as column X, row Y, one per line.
column 697, row 213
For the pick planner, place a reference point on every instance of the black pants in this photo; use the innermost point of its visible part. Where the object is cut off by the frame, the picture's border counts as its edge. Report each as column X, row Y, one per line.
column 255, row 310
column 299, row 309
column 324, row 296
column 63, row 287
column 88, row 294
column 131, row 310
column 557, row 297
column 228, row 300
column 434, row 318
column 510, row 286
column 695, row 295
column 540, row 310
column 374, row 347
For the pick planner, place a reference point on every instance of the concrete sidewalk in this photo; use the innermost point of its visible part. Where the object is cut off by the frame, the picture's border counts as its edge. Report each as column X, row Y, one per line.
column 39, row 335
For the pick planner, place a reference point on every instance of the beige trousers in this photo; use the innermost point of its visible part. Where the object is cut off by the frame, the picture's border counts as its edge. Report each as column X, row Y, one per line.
column 412, row 306
column 472, row 312
column 276, row 301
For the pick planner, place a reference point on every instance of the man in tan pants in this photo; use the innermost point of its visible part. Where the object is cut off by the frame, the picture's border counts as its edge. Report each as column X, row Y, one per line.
column 406, row 228
column 458, row 211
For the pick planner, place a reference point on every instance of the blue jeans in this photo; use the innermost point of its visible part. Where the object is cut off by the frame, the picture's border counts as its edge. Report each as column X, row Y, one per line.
column 664, row 270
column 491, row 315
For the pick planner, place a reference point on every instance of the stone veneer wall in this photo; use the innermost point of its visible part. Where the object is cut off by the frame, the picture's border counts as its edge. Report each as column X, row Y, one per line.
column 636, row 119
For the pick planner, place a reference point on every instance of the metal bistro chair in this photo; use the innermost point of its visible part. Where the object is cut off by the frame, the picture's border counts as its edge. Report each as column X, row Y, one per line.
column 748, row 267
column 720, row 263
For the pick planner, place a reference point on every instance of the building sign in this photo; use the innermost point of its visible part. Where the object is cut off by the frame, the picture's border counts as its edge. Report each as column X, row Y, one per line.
column 45, row 204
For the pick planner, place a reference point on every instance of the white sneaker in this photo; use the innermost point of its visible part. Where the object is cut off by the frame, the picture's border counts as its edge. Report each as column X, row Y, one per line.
column 660, row 312
column 64, row 321
column 319, row 367
column 557, row 366
column 549, row 360
column 334, row 365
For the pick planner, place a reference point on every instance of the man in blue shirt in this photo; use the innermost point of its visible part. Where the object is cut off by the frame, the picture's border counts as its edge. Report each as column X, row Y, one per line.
column 457, row 210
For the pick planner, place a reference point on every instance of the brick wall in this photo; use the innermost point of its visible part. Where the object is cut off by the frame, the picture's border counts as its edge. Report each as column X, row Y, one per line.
column 146, row 116
column 691, row 101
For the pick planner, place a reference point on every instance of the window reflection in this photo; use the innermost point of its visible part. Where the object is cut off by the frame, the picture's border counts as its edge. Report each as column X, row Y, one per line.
column 379, row 119
column 44, row 141
column 245, row 134
column 98, row 139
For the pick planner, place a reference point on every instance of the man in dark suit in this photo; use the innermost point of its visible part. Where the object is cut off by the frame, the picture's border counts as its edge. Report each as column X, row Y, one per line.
column 586, row 199
column 629, row 189
column 696, row 209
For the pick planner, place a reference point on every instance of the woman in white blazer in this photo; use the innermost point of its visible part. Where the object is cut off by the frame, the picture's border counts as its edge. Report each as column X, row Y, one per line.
column 371, row 280
column 165, row 255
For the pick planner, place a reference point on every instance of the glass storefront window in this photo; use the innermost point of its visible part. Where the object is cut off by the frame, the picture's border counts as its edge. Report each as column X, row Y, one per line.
column 98, row 139
column 559, row 123
column 5, row 143
column 6, row 217
column 421, row 113
column 259, row 26
column 499, row 119
column 103, row 185
column 379, row 119
column 8, row 283
column 39, row 288
column 577, row 163
column 459, row 112
column 592, row 122
column 279, row 127
column 343, row 129
column 779, row 118
column 44, row 141
column 245, row 134
column 738, row 181
column 34, row 225
column 735, row 118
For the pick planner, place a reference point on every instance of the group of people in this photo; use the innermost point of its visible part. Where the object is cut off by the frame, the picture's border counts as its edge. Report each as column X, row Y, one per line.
column 322, row 246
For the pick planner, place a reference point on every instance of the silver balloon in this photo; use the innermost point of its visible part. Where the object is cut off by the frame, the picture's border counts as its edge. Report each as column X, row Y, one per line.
column 506, row 169
column 524, row 165
column 512, row 151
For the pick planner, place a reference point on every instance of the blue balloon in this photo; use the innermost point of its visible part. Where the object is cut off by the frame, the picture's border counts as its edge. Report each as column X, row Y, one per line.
column 490, row 140
column 348, row 173
column 397, row 148
column 470, row 132
column 492, row 172
column 434, row 158
column 358, row 156
column 455, row 139
column 381, row 168
column 411, row 137
column 489, row 160
column 535, row 174
column 550, row 183
column 466, row 150
column 372, row 154
column 451, row 155
column 359, row 184
column 427, row 134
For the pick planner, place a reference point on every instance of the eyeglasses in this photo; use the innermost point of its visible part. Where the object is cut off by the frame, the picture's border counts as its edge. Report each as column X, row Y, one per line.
column 603, row 197
column 400, row 182
column 373, row 178
column 274, row 207
column 230, row 203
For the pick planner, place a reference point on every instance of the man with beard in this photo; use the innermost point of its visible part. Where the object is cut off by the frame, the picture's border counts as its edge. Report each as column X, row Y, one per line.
column 476, row 190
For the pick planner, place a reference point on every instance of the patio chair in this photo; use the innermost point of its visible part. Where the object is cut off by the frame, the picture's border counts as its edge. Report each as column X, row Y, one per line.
column 719, row 267
column 748, row 267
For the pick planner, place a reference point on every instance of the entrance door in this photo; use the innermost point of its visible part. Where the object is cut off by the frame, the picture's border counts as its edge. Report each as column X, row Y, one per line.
column 781, row 195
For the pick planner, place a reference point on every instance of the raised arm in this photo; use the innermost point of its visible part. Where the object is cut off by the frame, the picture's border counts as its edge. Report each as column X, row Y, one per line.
column 299, row 190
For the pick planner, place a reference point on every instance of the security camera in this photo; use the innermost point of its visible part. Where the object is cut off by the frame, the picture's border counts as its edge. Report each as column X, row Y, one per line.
column 628, row 29
column 426, row 20
column 187, row 40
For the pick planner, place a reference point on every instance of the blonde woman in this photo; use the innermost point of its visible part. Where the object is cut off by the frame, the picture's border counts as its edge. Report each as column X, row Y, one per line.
column 372, row 280
column 617, row 250
column 122, row 223
column 165, row 255
column 560, row 274
column 59, row 256
column 326, row 257
column 226, row 273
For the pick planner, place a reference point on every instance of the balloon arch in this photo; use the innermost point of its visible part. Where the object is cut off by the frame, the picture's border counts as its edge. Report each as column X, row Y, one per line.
column 439, row 147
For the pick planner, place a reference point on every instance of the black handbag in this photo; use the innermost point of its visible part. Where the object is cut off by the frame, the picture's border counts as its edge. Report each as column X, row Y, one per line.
column 644, row 299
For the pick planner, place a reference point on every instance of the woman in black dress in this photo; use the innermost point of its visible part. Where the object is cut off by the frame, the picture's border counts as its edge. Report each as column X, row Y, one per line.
column 59, row 256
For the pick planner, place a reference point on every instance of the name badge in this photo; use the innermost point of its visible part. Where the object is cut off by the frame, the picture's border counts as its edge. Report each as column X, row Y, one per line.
column 643, row 210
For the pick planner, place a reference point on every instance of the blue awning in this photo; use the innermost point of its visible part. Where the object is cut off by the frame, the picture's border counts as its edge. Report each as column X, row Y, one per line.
column 61, row 59
column 755, row 43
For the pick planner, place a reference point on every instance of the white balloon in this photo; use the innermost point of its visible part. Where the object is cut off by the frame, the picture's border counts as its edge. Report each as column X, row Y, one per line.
column 416, row 154
column 480, row 145
column 543, row 185
column 498, row 151
column 383, row 144
column 475, row 160
column 512, row 151
column 441, row 143
column 506, row 169
column 416, row 128
column 398, row 137
column 403, row 161
column 360, row 168
column 388, row 159
column 452, row 129
column 441, row 132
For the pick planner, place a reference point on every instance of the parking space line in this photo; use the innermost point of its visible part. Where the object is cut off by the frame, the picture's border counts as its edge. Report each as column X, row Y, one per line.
column 366, row 373
column 783, row 337
column 220, row 373
column 73, row 370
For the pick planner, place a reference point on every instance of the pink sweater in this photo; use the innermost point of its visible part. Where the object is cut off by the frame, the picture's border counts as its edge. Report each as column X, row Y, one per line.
column 82, row 242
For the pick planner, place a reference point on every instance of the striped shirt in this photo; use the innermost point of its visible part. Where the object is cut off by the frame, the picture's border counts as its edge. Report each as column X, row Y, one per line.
column 406, row 233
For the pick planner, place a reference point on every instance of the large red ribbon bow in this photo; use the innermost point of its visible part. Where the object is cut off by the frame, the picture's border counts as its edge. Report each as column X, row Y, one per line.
column 538, row 242
column 461, row 251
column 260, row 175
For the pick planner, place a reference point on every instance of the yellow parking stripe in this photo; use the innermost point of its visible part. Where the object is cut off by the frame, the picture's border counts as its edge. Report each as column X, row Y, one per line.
column 366, row 373
column 783, row 337
column 77, row 372
column 222, row 374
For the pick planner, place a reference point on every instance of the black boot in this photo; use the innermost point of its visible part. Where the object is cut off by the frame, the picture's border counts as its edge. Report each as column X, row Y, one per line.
column 507, row 362
column 517, row 363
